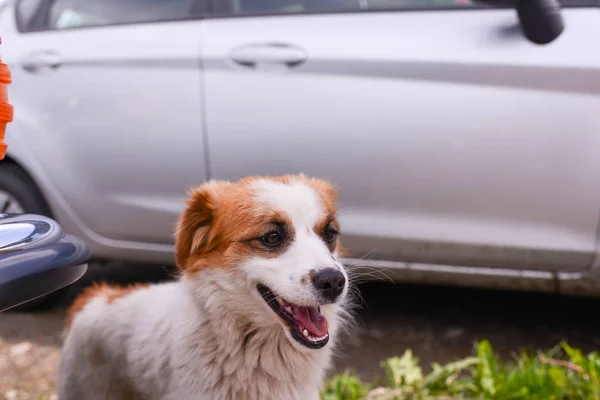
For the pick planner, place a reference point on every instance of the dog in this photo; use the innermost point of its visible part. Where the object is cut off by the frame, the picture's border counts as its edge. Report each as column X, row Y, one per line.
column 255, row 313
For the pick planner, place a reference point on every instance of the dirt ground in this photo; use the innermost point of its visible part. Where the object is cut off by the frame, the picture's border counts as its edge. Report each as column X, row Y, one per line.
column 439, row 324
column 29, row 353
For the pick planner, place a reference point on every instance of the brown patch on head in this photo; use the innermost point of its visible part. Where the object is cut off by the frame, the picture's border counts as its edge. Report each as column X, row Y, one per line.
column 326, row 192
column 222, row 224
column 108, row 292
column 328, row 228
column 328, row 222
column 341, row 250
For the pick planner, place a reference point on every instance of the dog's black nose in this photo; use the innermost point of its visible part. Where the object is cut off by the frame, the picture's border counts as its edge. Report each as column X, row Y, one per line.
column 330, row 283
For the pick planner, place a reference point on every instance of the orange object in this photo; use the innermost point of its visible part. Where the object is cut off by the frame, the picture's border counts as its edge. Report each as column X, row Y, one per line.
column 6, row 110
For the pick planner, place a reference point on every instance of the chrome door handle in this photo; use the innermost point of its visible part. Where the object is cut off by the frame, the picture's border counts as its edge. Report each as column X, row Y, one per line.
column 45, row 59
column 252, row 55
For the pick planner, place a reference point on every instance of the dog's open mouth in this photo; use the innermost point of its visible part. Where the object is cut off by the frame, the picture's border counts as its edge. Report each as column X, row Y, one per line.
column 307, row 325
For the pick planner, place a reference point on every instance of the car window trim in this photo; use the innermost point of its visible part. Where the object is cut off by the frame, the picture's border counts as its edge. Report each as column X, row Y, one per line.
column 199, row 10
column 35, row 18
column 222, row 9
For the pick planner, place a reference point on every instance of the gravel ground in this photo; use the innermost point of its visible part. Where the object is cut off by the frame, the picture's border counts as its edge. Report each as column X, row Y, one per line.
column 439, row 324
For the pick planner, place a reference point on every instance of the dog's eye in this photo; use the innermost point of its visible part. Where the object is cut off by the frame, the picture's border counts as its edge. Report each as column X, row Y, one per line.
column 272, row 239
column 330, row 235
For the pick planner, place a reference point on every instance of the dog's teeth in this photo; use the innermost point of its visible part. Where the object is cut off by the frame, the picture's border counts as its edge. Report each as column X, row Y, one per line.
column 288, row 309
column 318, row 339
column 305, row 333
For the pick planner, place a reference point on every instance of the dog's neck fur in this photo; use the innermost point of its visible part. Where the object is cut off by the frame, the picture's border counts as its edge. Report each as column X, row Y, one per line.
column 246, row 353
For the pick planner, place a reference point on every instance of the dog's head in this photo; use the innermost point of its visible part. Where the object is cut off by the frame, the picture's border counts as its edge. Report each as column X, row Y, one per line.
column 280, row 235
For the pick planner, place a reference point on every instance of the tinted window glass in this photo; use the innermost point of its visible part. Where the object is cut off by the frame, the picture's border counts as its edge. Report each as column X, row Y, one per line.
column 241, row 7
column 579, row 3
column 80, row 13
column 249, row 7
column 411, row 4
column 26, row 10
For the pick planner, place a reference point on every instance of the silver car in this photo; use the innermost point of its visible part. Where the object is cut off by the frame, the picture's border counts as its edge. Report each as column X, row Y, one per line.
column 463, row 152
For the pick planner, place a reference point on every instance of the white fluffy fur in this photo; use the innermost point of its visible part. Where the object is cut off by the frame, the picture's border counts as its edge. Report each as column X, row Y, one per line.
column 208, row 335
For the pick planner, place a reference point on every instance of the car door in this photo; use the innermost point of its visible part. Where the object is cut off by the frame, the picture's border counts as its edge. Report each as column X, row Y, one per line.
column 452, row 139
column 111, row 90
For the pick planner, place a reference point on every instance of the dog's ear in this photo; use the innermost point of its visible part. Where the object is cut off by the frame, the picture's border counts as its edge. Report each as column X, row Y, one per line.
column 194, row 225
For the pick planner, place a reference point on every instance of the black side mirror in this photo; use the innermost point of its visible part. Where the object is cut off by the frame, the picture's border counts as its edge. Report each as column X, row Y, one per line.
column 540, row 20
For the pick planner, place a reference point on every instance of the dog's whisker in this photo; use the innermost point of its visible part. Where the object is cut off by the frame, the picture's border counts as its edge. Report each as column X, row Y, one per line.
column 356, row 294
column 370, row 276
column 367, row 256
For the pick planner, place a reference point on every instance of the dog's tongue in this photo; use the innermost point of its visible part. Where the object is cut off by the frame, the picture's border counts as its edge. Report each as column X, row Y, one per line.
column 312, row 320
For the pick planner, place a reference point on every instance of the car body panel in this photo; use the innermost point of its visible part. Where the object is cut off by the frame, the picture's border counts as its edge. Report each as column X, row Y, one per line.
column 109, row 148
column 400, row 119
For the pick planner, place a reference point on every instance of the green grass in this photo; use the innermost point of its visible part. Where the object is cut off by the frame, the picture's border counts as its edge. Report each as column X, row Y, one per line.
column 562, row 373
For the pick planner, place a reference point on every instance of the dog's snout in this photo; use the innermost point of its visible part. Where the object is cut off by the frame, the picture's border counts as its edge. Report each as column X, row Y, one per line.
column 330, row 283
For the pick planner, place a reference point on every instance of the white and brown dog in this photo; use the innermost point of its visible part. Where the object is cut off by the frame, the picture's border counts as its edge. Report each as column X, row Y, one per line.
column 254, row 315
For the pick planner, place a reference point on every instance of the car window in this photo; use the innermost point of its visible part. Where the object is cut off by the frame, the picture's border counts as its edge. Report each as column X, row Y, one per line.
column 26, row 10
column 412, row 4
column 242, row 7
column 66, row 14
column 249, row 7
